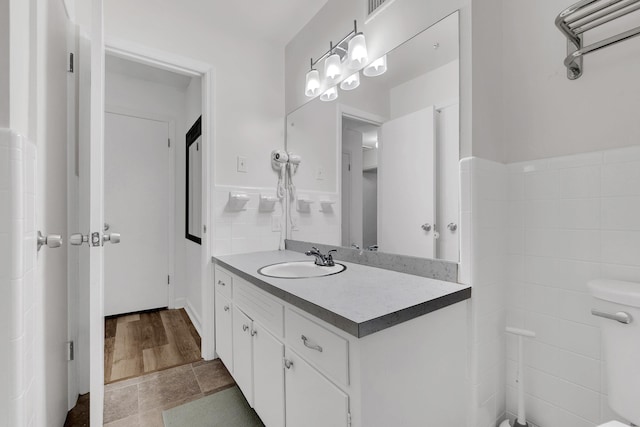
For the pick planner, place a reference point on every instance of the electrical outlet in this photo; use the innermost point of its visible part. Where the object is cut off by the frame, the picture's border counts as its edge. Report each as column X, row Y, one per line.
column 320, row 173
column 276, row 223
column 242, row 164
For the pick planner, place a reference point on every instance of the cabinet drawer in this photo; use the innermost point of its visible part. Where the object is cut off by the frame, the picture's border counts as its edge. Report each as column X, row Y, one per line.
column 223, row 282
column 326, row 350
column 259, row 306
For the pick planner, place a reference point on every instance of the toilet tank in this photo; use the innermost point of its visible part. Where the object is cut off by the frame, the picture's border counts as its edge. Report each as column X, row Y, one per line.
column 620, row 344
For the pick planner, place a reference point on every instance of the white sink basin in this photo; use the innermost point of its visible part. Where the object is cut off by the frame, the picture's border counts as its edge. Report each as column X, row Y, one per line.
column 300, row 270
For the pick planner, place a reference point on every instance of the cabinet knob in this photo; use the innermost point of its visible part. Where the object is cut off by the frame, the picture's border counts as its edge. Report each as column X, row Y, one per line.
column 220, row 282
column 226, row 308
column 245, row 327
column 254, row 332
column 288, row 363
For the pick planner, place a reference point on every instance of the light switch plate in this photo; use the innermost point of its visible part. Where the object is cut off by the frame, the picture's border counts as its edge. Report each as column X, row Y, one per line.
column 242, row 164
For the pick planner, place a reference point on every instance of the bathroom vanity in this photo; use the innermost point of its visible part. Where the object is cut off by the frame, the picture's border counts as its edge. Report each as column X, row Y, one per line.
column 366, row 347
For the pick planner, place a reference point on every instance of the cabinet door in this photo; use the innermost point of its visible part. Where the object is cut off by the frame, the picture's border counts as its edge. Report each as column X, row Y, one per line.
column 223, row 331
column 243, row 353
column 311, row 399
column 268, row 377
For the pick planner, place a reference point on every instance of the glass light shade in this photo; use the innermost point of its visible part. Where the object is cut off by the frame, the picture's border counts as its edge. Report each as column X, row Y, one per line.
column 332, row 68
column 312, row 87
column 377, row 67
column 330, row 94
column 357, row 52
column 351, row 82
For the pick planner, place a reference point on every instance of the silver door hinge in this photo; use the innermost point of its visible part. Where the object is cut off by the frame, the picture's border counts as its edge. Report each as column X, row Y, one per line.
column 168, row 279
column 204, row 229
column 169, row 142
column 70, row 355
column 70, row 69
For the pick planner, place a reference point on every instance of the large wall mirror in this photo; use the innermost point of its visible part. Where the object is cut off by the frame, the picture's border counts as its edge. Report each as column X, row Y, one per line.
column 380, row 164
column 193, row 177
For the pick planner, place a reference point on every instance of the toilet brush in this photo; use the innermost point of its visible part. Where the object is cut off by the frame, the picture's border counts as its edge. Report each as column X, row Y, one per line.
column 521, row 420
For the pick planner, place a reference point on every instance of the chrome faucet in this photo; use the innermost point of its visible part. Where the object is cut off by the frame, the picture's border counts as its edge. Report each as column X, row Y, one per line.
column 322, row 260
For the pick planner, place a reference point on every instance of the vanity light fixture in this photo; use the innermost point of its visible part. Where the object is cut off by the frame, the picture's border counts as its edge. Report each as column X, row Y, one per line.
column 330, row 94
column 348, row 53
column 376, row 68
column 351, row 82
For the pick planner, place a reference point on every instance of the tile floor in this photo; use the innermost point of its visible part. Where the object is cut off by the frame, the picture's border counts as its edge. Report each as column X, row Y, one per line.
column 139, row 402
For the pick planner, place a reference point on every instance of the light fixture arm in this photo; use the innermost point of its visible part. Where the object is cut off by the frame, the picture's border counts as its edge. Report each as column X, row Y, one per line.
column 332, row 47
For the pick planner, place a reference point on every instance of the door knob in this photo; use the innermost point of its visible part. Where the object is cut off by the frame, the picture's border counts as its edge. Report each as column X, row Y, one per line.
column 111, row 237
column 78, row 239
column 426, row 227
column 452, row 226
column 51, row 240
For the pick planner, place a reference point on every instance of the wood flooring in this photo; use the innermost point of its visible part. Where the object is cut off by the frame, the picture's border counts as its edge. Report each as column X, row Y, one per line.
column 137, row 344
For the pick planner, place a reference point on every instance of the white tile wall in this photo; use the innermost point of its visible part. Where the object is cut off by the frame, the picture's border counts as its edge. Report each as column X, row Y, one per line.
column 318, row 225
column 571, row 219
column 484, row 241
column 248, row 230
column 17, row 262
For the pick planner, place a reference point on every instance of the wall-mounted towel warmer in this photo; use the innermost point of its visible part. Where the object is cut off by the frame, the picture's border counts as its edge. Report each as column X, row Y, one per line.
column 586, row 15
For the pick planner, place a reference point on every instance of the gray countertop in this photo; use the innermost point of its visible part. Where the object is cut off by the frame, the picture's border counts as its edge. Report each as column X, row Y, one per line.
column 361, row 300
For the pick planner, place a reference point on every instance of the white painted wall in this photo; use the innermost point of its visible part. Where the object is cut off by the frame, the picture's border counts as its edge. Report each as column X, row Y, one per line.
column 369, row 208
column 571, row 219
column 4, row 63
column 433, row 88
column 249, row 98
column 547, row 115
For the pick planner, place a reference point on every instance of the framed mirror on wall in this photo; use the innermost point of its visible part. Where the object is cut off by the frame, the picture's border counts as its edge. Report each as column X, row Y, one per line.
column 193, row 210
column 384, row 157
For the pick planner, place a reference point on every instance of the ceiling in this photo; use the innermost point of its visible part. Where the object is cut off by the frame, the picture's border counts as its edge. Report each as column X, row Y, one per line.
column 275, row 20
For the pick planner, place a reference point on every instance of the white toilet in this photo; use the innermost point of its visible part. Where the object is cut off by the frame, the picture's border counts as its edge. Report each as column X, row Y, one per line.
column 617, row 304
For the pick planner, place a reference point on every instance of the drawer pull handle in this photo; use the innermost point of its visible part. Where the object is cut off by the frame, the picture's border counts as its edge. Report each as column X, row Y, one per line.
column 620, row 316
column 311, row 346
column 245, row 327
column 288, row 363
column 226, row 308
column 221, row 283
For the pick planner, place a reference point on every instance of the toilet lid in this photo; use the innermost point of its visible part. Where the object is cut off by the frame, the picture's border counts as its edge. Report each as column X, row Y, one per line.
column 613, row 424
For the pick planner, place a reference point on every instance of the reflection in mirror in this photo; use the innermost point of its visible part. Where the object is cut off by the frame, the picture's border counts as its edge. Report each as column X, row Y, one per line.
column 388, row 153
column 194, row 182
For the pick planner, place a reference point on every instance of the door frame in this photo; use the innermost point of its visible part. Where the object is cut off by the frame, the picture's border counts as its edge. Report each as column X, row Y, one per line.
column 172, row 187
column 193, row 68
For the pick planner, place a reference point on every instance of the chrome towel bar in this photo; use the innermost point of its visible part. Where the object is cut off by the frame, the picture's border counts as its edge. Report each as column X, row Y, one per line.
column 586, row 15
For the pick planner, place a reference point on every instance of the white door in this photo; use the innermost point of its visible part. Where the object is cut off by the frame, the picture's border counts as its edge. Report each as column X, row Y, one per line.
column 242, row 353
column 137, row 185
column 90, row 237
column 268, row 377
column 312, row 400
column 406, row 195
column 346, row 199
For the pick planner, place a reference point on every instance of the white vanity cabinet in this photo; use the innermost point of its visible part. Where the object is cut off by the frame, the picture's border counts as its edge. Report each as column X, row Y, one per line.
column 297, row 370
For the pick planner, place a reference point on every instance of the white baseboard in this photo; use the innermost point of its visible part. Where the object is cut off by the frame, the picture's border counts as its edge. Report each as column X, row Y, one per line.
column 183, row 302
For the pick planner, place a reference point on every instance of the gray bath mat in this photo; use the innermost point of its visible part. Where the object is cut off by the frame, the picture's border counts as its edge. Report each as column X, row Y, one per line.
column 227, row 408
